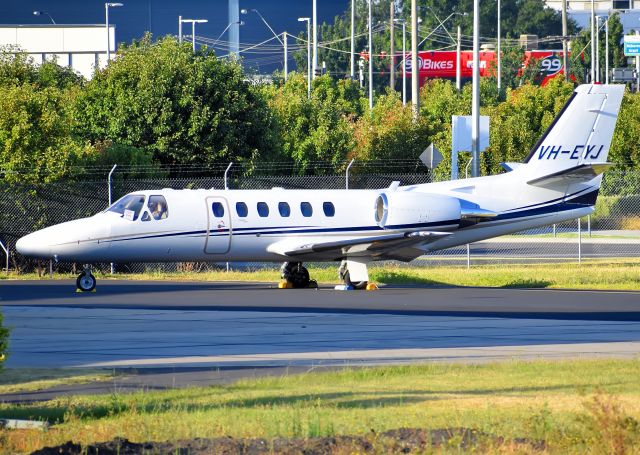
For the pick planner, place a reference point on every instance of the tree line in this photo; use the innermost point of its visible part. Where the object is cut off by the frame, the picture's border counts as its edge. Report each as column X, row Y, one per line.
column 158, row 103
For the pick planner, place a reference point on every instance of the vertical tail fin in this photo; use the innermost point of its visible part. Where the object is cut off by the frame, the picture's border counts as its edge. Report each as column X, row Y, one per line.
column 581, row 134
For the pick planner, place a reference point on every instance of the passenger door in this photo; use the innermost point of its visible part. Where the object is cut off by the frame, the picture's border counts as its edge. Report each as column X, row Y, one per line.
column 218, row 240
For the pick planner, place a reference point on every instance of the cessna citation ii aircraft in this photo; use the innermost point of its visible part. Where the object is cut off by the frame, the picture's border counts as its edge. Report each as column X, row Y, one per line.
column 558, row 181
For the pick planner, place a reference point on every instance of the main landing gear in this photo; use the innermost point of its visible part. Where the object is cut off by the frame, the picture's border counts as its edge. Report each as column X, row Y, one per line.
column 86, row 282
column 294, row 275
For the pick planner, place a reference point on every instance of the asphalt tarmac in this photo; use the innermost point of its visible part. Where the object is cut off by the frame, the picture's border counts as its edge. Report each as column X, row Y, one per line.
column 174, row 334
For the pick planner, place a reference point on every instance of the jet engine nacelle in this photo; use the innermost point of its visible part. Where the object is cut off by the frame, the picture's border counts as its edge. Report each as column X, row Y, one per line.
column 403, row 209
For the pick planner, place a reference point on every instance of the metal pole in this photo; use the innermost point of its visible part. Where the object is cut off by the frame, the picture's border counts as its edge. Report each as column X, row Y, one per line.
column 499, row 51
column 404, row 64
column 392, row 55
column 286, row 64
column 6, row 252
column 226, row 187
column 308, row 59
column 346, row 175
column 180, row 29
column 589, row 225
column 579, row 241
column 370, row 58
column 475, row 106
column 193, row 36
column 565, row 46
column 315, row 38
column 458, row 63
column 353, row 39
column 415, row 70
column 606, row 51
column 110, row 202
column 106, row 20
column 468, row 256
column 597, row 49
column 593, row 40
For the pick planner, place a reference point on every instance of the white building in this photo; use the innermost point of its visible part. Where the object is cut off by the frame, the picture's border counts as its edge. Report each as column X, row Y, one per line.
column 580, row 10
column 81, row 47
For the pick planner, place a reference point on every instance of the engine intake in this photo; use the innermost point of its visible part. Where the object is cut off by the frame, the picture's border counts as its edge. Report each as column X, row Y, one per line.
column 403, row 209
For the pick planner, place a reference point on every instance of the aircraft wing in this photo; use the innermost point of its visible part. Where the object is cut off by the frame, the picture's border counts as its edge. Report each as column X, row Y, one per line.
column 402, row 246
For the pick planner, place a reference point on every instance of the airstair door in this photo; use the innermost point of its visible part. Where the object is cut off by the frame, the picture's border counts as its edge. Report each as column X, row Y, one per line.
column 218, row 240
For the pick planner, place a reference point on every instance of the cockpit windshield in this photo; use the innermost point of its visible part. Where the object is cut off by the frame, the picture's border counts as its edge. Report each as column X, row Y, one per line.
column 129, row 206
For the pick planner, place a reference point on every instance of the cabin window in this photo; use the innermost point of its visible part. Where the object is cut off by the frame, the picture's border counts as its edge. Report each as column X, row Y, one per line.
column 263, row 209
column 328, row 208
column 241, row 209
column 218, row 209
column 284, row 209
column 306, row 209
column 158, row 207
column 129, row 206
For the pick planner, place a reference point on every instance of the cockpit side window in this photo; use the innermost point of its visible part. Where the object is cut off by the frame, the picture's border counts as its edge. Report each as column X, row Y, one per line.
column 158, row 207
column 129, row 206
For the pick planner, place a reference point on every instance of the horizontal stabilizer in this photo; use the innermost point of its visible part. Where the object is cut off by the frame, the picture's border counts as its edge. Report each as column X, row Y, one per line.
column 581, row 173
column 374, row 246
column 510, row 166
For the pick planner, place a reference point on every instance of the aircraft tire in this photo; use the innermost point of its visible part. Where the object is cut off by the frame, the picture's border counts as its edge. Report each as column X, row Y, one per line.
column 360, row 285
column 86, row 282
column 300, row 277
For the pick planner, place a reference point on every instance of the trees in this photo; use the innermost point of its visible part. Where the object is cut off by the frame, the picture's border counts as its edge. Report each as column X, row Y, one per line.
column 182, row 107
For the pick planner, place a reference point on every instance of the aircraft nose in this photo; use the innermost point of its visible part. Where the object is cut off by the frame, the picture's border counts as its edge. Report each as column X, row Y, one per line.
column 33, row 245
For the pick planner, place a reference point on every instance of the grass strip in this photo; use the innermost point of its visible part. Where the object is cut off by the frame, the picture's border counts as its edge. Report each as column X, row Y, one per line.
column 575, row 406
column 610, row 274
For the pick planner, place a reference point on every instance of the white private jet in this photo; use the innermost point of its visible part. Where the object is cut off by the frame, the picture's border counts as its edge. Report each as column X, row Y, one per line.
column 558, row 181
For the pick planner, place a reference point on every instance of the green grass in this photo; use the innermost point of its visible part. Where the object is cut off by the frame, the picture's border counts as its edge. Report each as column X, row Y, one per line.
column 572, row 405
column 31, row 379
column 622, row 274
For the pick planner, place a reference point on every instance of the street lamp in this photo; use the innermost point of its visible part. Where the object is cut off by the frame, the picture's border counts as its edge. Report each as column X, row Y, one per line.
column 308, row 21
column 106, row 16
column 404, row 60
column 227, row 28
column 39, row 13
column 193, row 23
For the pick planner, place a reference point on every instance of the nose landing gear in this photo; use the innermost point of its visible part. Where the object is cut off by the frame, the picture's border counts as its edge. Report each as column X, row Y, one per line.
column 86, row 282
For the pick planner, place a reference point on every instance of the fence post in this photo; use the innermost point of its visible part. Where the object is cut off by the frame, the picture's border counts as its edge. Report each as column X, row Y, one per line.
column 346, row 175
column 468, row 256
column 579, row 242
column 226, row 187
column 589, row 225
column 554, row 230
column 111, row 268
column 6, row 252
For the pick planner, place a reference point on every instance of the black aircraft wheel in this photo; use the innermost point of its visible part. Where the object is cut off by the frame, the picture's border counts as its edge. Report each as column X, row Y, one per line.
column 299, row 277
column 86, row 282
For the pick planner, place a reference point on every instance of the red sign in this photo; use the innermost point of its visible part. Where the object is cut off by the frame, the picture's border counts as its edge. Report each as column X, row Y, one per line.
column 442, row 64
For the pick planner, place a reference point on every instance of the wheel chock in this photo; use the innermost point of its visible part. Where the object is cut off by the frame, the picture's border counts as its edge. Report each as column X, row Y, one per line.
column 344, row 287
column 372, row 287
column 284, row 284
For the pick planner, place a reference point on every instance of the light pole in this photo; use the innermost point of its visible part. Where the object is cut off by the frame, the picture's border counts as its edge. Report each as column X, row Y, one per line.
column 353, row 39
column 404, row 60
column 415, row 70
column 499, row 50
column 106, row 17
column 593, row 40
column 370, row 58
column 606, row 50
column 458, row 62
column 475, row 93
column 40, row 13
column 308, row 21
column 597, row 49
column 227, row 28
column 315, row 38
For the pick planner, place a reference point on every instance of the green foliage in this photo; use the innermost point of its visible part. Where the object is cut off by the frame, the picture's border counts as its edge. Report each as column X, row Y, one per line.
column 17, row 68
column 35, row 141
column 316, row 129
column 182, row 107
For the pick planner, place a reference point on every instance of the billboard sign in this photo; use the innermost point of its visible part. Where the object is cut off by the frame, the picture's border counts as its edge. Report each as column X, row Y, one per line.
column 632, row 45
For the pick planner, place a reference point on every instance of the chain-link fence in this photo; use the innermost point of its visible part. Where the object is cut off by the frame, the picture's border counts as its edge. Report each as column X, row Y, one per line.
column 613, row 231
